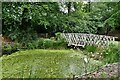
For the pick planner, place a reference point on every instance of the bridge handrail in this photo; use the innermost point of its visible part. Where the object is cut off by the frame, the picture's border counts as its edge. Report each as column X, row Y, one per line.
column 81, row 39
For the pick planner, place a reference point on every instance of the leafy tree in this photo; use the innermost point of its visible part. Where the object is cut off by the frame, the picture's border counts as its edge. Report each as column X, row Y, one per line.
column 22, row 21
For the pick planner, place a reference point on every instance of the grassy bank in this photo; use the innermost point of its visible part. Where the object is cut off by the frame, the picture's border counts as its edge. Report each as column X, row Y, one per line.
column 46, row 64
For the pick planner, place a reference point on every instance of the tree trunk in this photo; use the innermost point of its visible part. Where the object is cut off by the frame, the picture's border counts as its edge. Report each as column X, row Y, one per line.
column 69, row 8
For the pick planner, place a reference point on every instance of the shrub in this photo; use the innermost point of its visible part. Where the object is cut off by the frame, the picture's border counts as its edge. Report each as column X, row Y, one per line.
column 58, row 35
column 40, row 43
column 24, row 37
column 59, row 44
column 8, row 48
column 47, row 43
column 91, row 48
column 50, row 44
column 111, row 54
column 30, row 46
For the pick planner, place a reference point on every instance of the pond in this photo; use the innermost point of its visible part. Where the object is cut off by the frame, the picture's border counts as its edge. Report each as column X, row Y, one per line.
column 46, row 64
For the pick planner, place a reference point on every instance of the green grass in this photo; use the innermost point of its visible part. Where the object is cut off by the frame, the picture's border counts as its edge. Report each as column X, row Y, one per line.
column 45, row 64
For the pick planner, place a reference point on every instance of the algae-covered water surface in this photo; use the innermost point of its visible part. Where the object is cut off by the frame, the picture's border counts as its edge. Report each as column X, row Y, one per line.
column 46, row 64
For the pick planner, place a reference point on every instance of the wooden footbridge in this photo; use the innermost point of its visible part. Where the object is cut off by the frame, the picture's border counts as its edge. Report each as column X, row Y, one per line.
column 80, row 39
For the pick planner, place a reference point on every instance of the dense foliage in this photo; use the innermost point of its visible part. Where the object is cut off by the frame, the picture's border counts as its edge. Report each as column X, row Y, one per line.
column 24, row 19
column 56, row 42
column 109, row 54
column 112, row 53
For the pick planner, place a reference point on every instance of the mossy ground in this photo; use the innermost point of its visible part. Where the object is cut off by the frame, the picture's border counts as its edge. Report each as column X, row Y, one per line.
column 41, row 63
